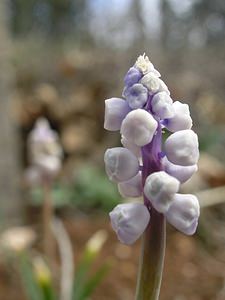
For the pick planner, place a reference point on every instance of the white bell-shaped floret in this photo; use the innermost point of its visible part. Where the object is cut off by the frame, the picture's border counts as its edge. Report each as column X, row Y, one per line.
column 139, row 127
column 136, row 150
column 132, row 187
column 136, row 95
column 182, row 173
column 115, row 111
column 160, row 189
column 151, row 82
column 163, row 87
column 183, row 213
column 162, row 105
column 120, row 164
column 181, row 119
column 129, row 221
column 181, row 148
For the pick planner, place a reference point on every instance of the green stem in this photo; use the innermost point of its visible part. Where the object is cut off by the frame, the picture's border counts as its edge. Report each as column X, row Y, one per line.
column 152, row 258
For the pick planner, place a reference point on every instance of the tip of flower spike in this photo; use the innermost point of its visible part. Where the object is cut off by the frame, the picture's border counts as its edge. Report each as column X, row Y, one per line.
column 144, row 64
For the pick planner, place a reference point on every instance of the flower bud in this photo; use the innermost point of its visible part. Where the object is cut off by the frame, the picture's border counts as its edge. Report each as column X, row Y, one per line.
column 162, row 105
column 163, row 87
column 115, row 111
column 181, row 119
column 131, row 187
column 183, row 213
column 151, row 82
column 159, row 189
column 136, row 150
column 182, row 173
column 139, row 127
column 120, row 164
column 133, row 76
column 136, row 95
column 181, row 148
column 129, row 221
column 144, row 65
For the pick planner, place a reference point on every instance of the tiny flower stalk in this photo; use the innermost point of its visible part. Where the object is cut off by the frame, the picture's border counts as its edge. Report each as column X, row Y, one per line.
column 150, row 168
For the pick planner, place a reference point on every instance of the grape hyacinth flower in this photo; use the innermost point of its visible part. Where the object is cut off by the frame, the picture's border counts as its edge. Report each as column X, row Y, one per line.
column 45, row 152
column 150, row 168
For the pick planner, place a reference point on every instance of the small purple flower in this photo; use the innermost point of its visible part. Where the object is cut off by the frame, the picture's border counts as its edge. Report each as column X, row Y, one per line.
column 136, row 95
column 132, row 76
column 115, row 111
column 184, row 213
column 146, row 166
column 129, row 221
column 181, row 118
column 181, row 148
column 120, row 164
column 139, row 127
column 132, row 187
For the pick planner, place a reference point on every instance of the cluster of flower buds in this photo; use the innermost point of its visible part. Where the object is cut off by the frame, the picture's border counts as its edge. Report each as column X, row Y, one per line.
column 45, row 152
column 144, row 165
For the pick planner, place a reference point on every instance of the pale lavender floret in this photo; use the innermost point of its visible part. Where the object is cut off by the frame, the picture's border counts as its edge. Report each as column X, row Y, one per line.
column 45, row 152
column 151, row 82
column 182, row 173
column 115, row 111
column 160, row 189
column 154, row 84
column 136, row 150
column 120, row 164
column 129, row 221
column 183, row 213
column 162, row 105
column 139, row 127
column 133, row 76
column 181, row 148
column 181, row 119
column 131, row 188
column 136, row 95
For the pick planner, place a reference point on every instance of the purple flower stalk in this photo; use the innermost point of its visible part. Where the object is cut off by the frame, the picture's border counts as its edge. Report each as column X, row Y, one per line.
column 146, row 166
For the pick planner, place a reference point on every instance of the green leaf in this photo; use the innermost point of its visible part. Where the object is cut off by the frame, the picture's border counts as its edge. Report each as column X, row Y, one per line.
column 93, row 282
column 31, row 286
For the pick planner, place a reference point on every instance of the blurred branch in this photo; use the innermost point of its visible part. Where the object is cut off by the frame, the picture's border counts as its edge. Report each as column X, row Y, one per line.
column 211, row 196
column 67, row 262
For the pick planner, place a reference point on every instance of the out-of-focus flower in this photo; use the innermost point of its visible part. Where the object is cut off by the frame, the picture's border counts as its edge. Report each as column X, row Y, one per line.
column 96, row 241
column 45, row 152
column 17, row 239
column 42, row 272
column 150, row 166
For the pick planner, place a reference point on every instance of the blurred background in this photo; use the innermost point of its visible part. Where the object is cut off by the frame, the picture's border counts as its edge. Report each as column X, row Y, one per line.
column 60, row 59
